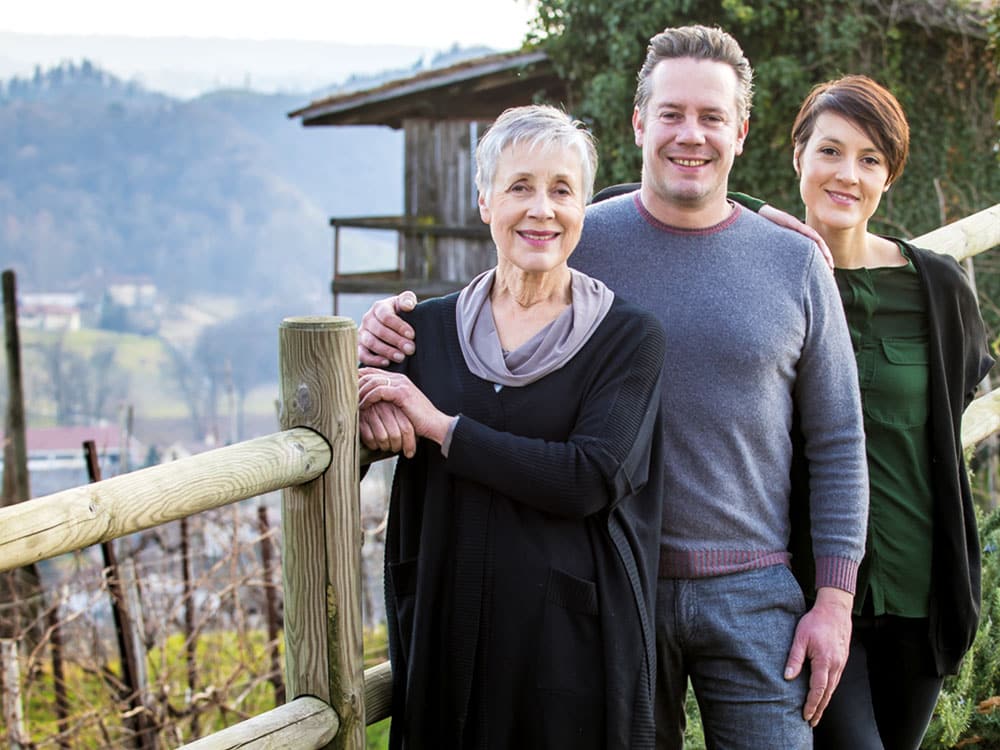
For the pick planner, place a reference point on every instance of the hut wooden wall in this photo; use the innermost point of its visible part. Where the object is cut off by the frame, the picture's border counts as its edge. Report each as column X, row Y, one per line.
column 440, row 188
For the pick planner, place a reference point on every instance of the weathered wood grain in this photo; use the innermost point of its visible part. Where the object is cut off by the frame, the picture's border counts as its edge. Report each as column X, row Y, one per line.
column 304, row 724
column 65, row 521
column 321, row 523
column 966, row 237
column 378, row 692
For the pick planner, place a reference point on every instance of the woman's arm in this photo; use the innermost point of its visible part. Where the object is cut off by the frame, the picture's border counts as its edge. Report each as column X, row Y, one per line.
column 605, row 458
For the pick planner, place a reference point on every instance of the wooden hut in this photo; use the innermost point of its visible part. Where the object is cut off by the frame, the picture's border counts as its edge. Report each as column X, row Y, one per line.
column 442, row 243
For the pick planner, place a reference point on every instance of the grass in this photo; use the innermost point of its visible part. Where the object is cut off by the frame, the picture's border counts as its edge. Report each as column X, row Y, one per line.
column 230, row 687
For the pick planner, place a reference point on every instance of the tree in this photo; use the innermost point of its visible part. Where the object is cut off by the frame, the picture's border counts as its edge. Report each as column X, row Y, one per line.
column 930, row 54
column 80, row 385
column 191, row 385
column 237, row 355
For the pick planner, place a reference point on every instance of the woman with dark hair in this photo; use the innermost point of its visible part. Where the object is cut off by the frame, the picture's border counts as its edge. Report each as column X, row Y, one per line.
column 921, row 351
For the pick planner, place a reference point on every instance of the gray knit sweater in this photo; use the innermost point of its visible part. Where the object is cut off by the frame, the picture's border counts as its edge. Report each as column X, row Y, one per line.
column 755, row 332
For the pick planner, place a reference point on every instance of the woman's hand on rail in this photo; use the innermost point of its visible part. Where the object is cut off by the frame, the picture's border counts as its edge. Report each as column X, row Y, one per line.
column 384, row 427
column 383, row 335
column 378, row 386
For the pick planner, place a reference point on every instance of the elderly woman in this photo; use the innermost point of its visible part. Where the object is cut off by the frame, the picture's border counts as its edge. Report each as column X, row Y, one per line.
column 522, row 538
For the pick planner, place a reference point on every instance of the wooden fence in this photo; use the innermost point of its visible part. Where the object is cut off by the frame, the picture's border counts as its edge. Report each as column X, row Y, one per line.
column 315, row 460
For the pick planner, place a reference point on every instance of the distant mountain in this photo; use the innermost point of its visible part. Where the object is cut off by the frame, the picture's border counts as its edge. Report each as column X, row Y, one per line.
column 217, row 194
column 187, row 67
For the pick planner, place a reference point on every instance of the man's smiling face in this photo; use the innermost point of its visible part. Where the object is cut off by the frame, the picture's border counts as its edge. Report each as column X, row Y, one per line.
column 690, row 134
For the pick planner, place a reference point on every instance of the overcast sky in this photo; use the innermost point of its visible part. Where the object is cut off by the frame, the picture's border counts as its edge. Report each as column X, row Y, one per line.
column 427, row 23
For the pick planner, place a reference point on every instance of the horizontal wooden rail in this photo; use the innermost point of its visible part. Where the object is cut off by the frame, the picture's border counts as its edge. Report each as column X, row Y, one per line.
column 65, row 521
column 366, row 456
column 306, row 723
column 963, row 239
column 378, row 693
column 981, row 419
column 966, row 237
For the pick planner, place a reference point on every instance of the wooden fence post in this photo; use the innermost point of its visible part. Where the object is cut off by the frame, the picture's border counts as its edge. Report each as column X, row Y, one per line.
column 22, row 586
column 271, row 605
column 13, row 711
column 131, row 649
column 54, row 624
column 321, row 523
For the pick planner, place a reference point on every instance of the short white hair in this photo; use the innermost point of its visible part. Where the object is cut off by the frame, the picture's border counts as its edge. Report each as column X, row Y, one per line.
column 536, row 125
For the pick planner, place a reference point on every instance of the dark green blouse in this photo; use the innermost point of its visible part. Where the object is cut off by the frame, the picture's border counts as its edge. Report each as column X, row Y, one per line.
column 887, row 317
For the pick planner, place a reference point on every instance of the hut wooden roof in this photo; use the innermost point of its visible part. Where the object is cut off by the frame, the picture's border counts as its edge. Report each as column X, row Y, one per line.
column 475, row 89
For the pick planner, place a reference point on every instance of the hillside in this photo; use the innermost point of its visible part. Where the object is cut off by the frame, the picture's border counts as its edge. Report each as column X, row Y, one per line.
column 220, row 202
column 221, row 194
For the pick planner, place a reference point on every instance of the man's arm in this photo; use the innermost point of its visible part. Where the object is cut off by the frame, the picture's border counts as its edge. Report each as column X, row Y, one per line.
column 384, row 337
column 828, row 402
column 823, row 636
column 756, row 205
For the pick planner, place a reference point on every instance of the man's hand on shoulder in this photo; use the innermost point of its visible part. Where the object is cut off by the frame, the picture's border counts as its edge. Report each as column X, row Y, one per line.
column 788, row 221
column 384, row 336
column 823, row 636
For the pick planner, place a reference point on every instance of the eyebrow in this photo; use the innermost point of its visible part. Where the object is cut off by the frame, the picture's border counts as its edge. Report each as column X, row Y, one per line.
column 838, row 142
column 677, row 105
column 561, row 176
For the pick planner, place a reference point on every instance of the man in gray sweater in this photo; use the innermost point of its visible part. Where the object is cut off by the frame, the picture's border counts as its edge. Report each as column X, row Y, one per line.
column 756, row 334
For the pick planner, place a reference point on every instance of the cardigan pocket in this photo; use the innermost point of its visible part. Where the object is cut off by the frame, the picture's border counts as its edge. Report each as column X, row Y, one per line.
column 569, row 651
column 569, row 658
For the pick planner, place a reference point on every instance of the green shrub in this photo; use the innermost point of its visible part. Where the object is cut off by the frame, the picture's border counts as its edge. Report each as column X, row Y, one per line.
column 965, row 713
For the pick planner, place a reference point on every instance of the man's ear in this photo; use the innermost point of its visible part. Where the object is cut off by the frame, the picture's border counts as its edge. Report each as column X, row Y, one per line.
column 741, row 135
column 637, row 126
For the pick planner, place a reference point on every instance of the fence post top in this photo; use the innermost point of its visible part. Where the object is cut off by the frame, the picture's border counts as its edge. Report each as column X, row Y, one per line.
column 317, row 322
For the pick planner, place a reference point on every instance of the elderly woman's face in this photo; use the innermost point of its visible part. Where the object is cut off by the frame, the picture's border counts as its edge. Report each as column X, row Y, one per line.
column 535, row 210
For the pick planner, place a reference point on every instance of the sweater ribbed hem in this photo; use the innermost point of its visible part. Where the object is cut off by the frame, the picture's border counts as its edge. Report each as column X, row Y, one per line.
column 705, row 563
column 837, row 572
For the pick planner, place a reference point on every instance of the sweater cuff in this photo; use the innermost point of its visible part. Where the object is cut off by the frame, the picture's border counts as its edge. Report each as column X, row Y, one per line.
column 446, row 443
column 838, row 572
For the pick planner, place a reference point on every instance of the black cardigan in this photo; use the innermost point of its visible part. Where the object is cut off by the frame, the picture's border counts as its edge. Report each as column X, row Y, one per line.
column 521, row 569
column 959, row 360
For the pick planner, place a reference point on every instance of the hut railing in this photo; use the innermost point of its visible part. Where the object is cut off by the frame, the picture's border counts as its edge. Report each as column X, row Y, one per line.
column 315, row 461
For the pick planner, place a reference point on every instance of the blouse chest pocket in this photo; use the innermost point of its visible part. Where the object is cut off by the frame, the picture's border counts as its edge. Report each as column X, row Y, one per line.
column 897, row 391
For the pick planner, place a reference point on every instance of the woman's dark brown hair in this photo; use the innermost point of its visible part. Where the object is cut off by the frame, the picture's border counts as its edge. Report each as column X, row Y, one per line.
column 866, row 104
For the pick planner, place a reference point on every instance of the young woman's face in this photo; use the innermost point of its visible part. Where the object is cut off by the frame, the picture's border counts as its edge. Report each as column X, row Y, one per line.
column 842, row 174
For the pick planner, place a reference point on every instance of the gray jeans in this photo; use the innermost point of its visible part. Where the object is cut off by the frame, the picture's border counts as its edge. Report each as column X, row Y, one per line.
column 731, row 635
